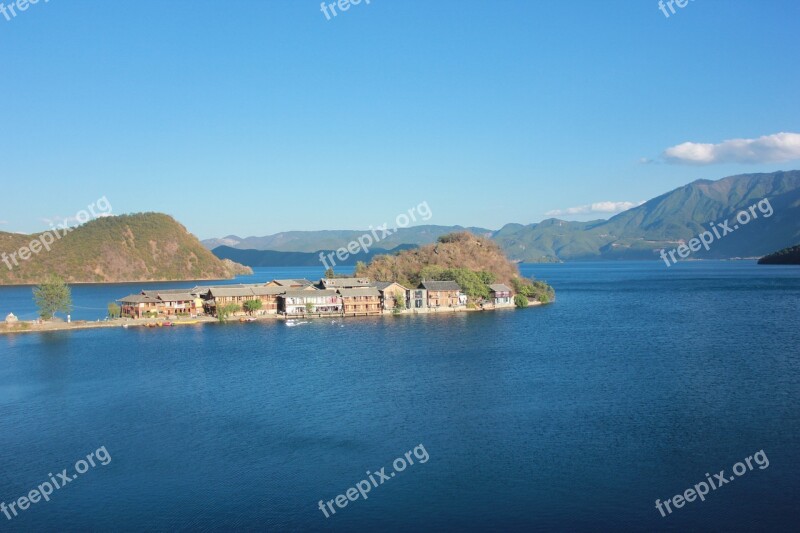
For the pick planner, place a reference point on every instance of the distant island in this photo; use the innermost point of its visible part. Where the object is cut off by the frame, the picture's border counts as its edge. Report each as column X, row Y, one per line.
column 114, row 249
column 787, row 256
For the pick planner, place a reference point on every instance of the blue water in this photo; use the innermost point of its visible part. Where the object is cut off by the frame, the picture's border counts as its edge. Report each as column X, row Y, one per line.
column 576, row 416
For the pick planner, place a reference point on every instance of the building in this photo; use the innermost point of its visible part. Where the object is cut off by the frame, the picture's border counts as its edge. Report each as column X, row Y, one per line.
column 418, row 298
column 291, row 283
column 139, row 306
column 501, row 294
column 301, row 302
column 269, row 297
column 177, row 304
column 364, row 300
column 392, row 295
column 443, row 293
column 345, row 283
column 219, row 297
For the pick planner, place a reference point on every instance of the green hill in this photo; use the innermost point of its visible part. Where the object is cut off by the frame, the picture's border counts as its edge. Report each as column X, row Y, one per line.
column 139, row 247
column 470, row 260
column 787, row 256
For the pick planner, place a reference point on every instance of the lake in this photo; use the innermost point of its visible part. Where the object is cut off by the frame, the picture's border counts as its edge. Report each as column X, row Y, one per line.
column 635, row 384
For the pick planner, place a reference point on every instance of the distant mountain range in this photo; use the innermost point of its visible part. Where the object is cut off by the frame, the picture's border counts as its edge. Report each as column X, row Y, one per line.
column 638, row 233
column 263, row 258
column 669, row 219
column 314, row 241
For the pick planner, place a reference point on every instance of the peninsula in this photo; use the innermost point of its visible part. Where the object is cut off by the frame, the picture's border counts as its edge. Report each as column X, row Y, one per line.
column 460, row 273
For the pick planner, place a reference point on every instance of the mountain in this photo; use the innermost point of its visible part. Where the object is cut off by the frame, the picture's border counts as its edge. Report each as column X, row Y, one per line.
column 138, row 247
column 314, row 241
column 261, row 258
column 670, row 219
column 665, row 222
column 787, row 256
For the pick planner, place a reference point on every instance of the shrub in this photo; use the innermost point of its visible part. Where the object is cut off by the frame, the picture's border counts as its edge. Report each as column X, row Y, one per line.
column 521, row 301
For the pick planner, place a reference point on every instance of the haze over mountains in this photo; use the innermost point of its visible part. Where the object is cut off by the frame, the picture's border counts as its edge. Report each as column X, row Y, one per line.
column 638, row 233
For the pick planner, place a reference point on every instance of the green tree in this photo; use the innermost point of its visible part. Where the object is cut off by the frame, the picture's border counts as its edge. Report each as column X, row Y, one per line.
column 226, row 310
column 521, row 301
column 330, row 274
column 251, row 306
column 399, row 302
column 361, row 269
column 52, row 296
column 309, row 307
column 114, row 310
column 487, row 277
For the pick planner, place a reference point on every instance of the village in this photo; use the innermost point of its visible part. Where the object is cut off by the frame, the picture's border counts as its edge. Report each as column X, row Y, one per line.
column 301, row 298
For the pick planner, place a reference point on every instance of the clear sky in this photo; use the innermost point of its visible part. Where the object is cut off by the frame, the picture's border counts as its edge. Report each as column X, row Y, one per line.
column 253, row 117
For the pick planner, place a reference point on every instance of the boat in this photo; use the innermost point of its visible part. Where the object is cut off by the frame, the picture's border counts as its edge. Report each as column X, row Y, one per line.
column 186, row 323
column 247, row 319
column 292, row 322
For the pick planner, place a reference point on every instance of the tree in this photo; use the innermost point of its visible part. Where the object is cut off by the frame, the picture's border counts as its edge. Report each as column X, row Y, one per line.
column 114, row 310
column 487, row 277
column 361, row 269
column 399, row 302
column 330, row 274
column 226, row 310
column 52, row 296
column 251, row 306
column 521, row 301
column 309, row 307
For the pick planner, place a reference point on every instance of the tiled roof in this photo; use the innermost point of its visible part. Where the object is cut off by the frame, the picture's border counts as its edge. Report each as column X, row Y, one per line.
column 499, row 287
column 138, row 299
column 185, row 297
column 368, row 291
column 381, row 285
column 440, row 285
column 268, row 291
column 299, row 293
column 228, row 292
column 347, row 283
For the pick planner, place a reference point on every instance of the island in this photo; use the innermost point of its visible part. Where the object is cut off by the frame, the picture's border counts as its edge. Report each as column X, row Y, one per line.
column 787, row 256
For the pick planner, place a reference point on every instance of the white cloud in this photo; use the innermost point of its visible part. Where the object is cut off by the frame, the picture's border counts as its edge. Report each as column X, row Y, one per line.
column 767, row 149
column 3, row 222
column 597, row 207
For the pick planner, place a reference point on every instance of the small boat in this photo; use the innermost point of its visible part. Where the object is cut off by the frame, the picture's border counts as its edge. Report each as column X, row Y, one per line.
column 186, row 323
column 247, row 319
column 167, row 324
column 291, row 322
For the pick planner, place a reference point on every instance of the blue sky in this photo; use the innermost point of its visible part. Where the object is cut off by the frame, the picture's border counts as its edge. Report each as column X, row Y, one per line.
column 253, row 117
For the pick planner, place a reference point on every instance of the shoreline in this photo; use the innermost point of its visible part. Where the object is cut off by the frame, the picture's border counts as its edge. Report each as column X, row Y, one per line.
column 152, row 323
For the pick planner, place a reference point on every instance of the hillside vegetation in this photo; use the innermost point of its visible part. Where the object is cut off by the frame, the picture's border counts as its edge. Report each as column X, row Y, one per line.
column 471, row 261
column 139, row 247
